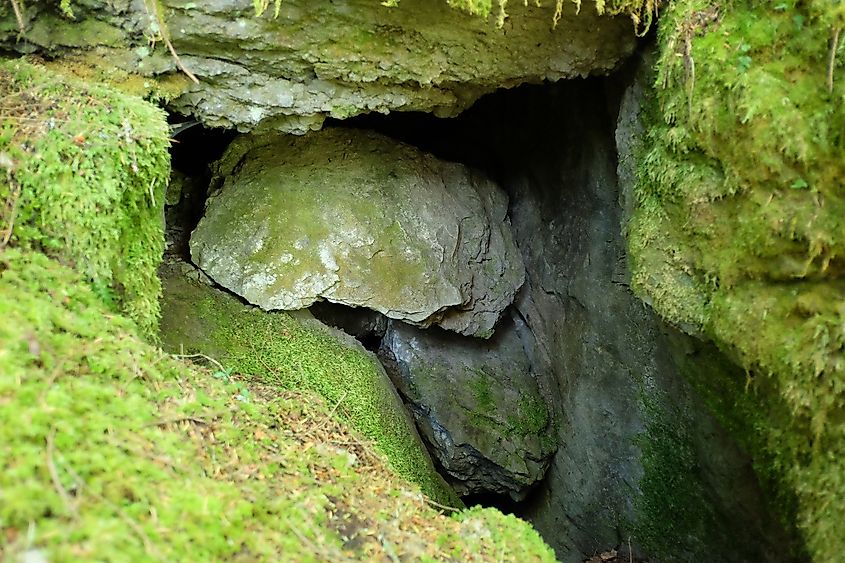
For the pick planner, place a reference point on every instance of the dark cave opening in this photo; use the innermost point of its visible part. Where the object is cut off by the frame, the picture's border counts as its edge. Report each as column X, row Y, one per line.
column 193, row 150
column 508, row 135
column 552, row 149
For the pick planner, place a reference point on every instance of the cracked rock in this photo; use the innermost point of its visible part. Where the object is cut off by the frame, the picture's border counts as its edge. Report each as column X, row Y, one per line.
column 358, row 219
column 477, row 404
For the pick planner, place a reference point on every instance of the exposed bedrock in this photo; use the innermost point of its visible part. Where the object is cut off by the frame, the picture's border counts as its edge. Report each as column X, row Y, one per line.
column 339, row 59
column 358, row 219
column 476, row 402
column 321, row 59
column 640, row 459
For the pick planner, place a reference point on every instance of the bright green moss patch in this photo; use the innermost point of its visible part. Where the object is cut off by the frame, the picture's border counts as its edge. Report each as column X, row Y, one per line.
column 284, row 352
column 113, row 451
column 739, row 233
column 82, row 176
column 477, row 522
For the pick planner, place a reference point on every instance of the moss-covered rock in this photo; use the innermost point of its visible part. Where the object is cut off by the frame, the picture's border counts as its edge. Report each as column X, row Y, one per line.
column 359, row 219
column 478, row 404
column 83, row 174
column 282, row 351
column 113, row 450
column 739, row 233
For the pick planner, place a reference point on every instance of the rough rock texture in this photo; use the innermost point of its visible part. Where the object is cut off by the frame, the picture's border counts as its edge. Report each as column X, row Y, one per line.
column 477, row 404
column 643, row 458
column 337, row 59
column 640, row 458
column 358, row 219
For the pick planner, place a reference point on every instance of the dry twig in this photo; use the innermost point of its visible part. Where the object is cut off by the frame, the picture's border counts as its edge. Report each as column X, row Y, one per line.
column 217, row 364
column 54, row 473
column 164, row 37
column 12, row 207
column 831, row 61
column 16, row 7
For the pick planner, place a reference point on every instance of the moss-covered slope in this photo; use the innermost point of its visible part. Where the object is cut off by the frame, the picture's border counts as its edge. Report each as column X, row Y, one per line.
column 82, row 176
column 114, row 451
column 287, row 353
column 739, row 232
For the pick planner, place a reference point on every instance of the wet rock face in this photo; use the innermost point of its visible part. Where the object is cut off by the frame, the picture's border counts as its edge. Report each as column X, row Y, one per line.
column 358, row 219
column 477, row 404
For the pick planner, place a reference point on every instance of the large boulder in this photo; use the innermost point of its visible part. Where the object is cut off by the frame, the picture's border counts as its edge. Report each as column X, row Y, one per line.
column 321, row 59
column 356, row 218
column 477, row 404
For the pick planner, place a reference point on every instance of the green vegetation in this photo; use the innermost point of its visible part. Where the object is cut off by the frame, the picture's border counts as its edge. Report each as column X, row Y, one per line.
column 673, row 501
column 84, row 169
column 739, row 233
column 115, row 451
column 529, row 414
column 287, row 354
column 641, row 12
column 532, row 416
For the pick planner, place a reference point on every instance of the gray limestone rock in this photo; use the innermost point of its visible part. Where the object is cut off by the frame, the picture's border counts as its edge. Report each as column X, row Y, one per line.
column 339, row 59
column 477, row 404
column 330, row 59
column 358, row 219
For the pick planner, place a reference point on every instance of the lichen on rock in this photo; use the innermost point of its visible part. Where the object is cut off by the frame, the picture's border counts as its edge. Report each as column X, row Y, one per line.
column 477, row 404
column 358, row 219
column 321, row 59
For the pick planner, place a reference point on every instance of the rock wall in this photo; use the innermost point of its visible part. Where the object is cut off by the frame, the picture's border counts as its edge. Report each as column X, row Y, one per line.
column 640, row 459
column 739, row 234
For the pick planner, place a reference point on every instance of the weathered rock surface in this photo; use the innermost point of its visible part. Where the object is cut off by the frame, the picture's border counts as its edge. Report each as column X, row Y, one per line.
column 477, row 404
column 640, row 457
column 338, row 59
column 358, row 219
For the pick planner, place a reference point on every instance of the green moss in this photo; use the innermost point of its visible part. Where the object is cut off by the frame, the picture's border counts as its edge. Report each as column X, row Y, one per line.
column 739, row 232
column 476, row 523
column 114, row 451
column 481, row 391
column 528, row 416
column 281, row 350
column 53, row 31
column 532, row 416
column 85, row 171
column 672, row 501
column 641, row 12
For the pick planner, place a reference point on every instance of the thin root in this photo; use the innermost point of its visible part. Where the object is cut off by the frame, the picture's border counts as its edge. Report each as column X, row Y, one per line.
column 831, row 61
column 19, row 16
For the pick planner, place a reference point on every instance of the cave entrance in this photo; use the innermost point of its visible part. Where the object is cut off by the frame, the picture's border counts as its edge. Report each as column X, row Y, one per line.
column 640, row 467
column 543, row 144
